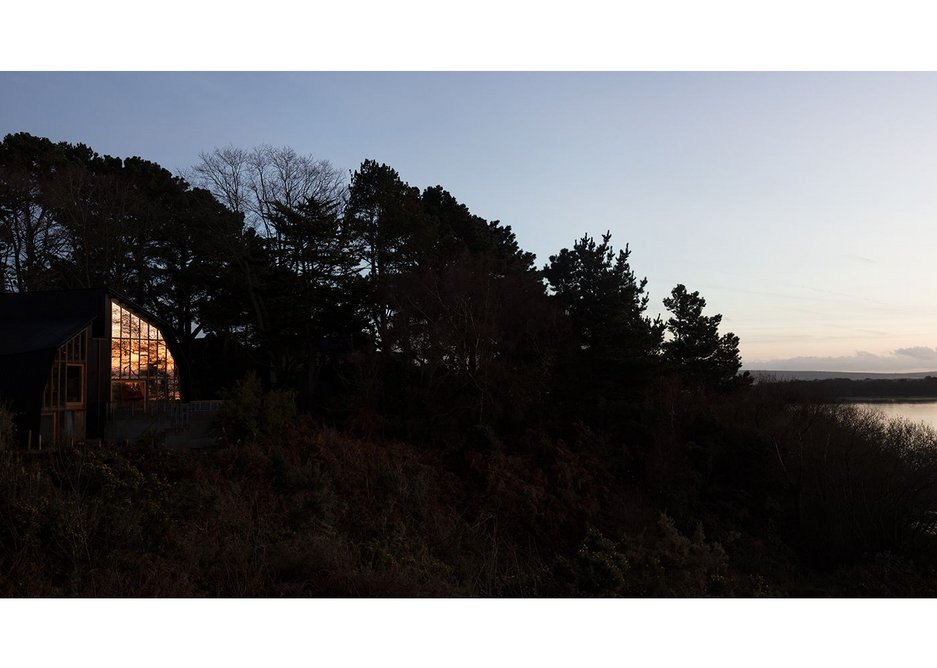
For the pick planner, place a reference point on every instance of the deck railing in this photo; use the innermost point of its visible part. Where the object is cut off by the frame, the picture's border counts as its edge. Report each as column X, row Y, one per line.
column 163, row 414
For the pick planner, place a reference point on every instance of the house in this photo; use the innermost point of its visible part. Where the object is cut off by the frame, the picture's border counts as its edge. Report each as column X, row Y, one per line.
column 71, row 361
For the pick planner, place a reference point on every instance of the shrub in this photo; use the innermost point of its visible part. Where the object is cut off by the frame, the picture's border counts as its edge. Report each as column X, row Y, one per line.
column 251, row 415
column 864, row 484
column 666, row 563
column 598, row 568
column 7, row 429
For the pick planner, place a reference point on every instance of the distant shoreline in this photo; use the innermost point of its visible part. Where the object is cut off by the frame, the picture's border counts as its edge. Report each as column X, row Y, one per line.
column 779, row 374
column 886, row 400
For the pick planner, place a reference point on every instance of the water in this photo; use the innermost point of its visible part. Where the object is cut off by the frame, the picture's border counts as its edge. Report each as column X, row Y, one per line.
column 916, row 411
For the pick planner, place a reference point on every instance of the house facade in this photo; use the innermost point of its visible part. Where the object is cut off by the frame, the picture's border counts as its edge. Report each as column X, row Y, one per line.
column 72, row 360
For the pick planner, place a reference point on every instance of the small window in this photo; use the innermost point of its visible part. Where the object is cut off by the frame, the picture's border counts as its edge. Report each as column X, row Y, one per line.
column 46, row 428
column 74, row 384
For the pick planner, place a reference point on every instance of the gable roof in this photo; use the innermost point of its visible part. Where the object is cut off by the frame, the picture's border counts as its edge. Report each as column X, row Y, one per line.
column 28, row 335
column 32, row 327
column 34, row 321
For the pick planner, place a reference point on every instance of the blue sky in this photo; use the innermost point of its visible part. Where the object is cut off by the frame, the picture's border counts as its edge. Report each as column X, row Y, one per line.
column 801, row 205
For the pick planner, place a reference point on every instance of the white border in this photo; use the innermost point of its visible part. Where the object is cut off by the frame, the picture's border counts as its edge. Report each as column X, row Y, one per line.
column 469, row 633
column 484, row 34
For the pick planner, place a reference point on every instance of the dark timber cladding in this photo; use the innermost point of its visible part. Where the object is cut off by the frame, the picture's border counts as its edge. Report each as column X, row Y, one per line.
column 71, row 358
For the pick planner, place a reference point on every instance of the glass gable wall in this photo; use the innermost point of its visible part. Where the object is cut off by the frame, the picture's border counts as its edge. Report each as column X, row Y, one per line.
column 142, row 368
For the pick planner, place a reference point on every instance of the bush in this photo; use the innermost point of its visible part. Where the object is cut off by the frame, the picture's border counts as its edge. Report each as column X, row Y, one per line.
column 862, row 484
column 251, row 415
column 666, row 563
column 597, row 569
column 7, row 428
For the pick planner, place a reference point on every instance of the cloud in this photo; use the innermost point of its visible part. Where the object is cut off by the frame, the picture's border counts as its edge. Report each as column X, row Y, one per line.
column 902, row 360
column 918, row 352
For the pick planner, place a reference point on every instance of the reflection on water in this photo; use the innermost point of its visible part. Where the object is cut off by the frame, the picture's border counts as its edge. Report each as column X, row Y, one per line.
column 916, row 411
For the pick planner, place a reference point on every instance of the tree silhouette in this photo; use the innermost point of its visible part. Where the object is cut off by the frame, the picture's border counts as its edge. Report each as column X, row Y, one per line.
column 384, row 214
column 695, row 349
column 613, row 350
column 451, row 230
column 314, row 291
column 31, row 236
column 255, row 182
column 605, row 301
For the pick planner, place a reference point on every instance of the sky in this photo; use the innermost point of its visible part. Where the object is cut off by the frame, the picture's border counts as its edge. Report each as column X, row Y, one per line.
column 801, row 205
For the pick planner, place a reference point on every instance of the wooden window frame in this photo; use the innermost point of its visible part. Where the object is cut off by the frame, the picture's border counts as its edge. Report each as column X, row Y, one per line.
column 81, row 402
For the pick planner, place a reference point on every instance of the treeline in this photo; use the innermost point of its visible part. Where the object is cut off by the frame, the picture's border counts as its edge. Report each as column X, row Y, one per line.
column 868, row 388
column 382, row 306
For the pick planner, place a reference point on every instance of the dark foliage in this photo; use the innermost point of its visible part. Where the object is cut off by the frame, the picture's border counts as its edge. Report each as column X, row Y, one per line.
column 696, row 350
column 871, row 388
column 413, row 408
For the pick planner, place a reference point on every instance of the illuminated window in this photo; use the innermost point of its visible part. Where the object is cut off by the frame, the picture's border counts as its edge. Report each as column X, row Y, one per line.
column 142, row 368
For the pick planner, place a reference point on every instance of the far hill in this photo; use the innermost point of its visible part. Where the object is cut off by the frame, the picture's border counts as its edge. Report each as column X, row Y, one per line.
column 769, row 374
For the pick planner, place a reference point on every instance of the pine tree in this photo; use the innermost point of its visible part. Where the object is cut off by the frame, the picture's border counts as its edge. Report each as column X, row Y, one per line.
column 604, row 300
column 695, row 349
